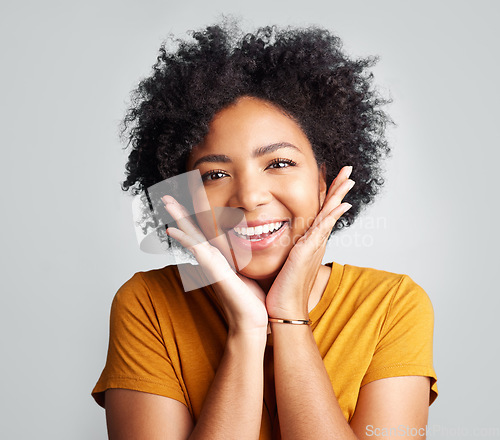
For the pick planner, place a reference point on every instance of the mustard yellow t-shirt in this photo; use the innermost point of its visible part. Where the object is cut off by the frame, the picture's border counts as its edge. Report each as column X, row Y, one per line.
column 369, row 324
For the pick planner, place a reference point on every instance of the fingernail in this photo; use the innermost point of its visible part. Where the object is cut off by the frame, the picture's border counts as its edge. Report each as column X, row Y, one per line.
column 167, row 200
column 347, row 206
column 351, row 183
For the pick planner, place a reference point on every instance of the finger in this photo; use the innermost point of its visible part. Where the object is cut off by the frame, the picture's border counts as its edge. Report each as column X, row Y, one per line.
column 318, row 236
column 213, row 263
column 337, row 197
column 338, row 182
column 182, row 217
column 183, row 238
column 342, row 176
column 334, row 200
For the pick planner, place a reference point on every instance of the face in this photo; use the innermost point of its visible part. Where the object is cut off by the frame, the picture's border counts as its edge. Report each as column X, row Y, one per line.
column 257, row 159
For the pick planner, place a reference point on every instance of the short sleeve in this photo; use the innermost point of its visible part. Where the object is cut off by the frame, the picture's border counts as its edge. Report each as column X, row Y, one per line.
column 137, row 357
column 405, row 345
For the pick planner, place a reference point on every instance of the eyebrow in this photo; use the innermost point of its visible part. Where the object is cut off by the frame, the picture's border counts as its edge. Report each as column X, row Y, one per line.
column 256, row 153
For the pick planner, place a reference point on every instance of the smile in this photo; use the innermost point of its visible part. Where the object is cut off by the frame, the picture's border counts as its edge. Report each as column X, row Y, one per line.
column 258, row 233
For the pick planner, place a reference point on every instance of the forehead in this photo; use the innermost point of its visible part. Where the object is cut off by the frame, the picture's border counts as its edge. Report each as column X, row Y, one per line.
column 248, row 124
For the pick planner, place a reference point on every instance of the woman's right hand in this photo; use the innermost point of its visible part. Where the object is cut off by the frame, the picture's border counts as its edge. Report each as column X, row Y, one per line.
column 242, row 298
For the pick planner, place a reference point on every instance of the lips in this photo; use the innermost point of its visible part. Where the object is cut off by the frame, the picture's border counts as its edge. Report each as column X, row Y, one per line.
column 257, row 241
column 258, row 232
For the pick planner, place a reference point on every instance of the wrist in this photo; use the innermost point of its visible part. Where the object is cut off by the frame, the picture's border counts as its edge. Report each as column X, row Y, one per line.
column 248, row 336
column 290, row 332
column 292, row 315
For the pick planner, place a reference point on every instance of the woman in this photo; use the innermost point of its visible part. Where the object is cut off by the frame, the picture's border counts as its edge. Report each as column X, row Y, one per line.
column 277, row 124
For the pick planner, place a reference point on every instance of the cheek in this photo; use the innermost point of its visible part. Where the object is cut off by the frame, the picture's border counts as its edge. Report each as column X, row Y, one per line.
column 303, row 202
column 211, row 214
column 201, row 205
column 205, row 200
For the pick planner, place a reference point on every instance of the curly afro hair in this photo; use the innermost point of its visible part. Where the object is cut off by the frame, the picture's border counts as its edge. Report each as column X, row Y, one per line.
column 302, row 71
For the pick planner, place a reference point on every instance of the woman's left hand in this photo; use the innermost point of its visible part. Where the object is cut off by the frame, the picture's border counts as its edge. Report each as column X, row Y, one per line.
column 288, row 296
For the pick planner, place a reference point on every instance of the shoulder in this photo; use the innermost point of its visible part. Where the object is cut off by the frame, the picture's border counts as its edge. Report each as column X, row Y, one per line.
column 378, row 286
column 166, row 289
column 151, row 286
column 369, row 276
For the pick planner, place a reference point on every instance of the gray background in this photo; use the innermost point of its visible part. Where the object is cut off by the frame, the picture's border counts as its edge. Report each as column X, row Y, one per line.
column 67, row 236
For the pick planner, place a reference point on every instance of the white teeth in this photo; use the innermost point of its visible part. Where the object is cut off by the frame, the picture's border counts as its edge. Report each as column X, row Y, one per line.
column 274, row 226
column 257, row 230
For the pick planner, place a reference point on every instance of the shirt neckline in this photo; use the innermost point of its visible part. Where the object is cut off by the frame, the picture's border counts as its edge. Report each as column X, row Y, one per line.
column 329, row 292
column 337, row 271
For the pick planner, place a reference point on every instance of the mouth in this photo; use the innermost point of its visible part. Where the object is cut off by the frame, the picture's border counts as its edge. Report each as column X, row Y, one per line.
column 259, row 237
column 258, row 233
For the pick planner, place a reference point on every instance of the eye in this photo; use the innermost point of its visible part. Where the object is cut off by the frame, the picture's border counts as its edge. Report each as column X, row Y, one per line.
column 213, row 175
column 281, row 163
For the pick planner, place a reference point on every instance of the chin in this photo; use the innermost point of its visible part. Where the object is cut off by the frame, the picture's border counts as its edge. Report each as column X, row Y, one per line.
column 260, row 271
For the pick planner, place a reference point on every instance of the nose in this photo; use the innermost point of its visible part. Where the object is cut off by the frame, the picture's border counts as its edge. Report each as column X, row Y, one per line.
column 250, row 192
